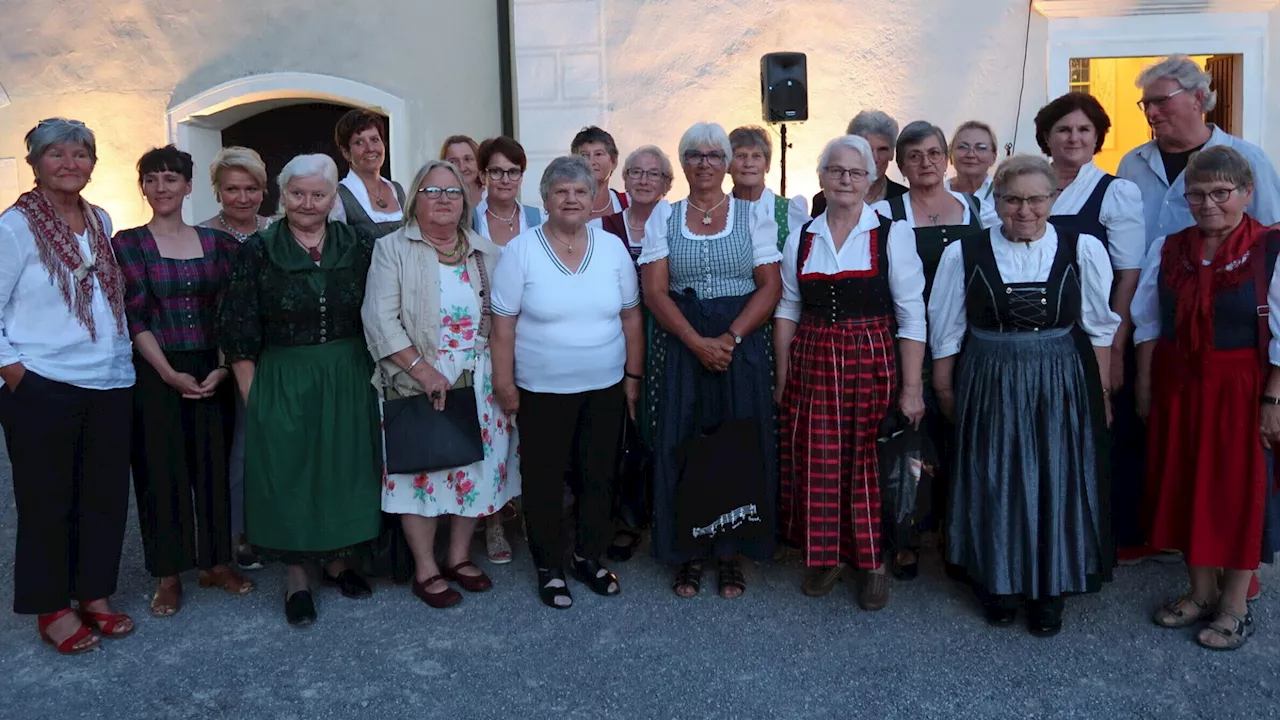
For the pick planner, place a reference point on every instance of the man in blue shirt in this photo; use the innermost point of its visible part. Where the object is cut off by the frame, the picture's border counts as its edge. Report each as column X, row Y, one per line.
column 1175, row 97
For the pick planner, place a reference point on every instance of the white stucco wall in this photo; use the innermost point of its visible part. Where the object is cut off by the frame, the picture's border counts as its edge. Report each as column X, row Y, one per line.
column 119, row 65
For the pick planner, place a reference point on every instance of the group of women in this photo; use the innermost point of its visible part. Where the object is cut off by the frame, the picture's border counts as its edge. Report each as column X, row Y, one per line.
column 241, row 366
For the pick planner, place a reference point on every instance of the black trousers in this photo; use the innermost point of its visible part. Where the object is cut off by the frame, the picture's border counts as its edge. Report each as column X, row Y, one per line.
column 70, row 452
column 180, row 457
column 554, row 429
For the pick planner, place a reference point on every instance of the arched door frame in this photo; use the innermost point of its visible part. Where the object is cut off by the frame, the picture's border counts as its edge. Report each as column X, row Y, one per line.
column 195, row 125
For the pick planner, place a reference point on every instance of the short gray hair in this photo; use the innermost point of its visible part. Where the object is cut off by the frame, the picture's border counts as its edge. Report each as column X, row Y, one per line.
column 916, row 133
column 1220, row 162
column 568, row 168
column 852, row 142
column 411, row 203
column 1021, row 165
column 55, row 131
column 306, row 166
column 1186, row 72
column 874, row 122
column 700, row 134
column 664, row 162
column 752, row 136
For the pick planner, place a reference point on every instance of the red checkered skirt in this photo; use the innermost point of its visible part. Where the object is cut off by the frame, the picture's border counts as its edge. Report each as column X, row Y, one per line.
column 841, row 379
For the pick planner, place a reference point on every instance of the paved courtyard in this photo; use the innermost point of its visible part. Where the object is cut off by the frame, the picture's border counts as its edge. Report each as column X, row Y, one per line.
column 647, row 654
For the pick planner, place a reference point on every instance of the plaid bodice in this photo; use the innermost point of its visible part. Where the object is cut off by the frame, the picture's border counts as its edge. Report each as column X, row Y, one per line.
column 713, row 266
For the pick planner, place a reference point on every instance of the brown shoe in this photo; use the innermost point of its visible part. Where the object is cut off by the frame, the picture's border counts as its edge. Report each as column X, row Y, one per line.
column 819, row 581
column 167, row 600
column 873, row 591
column 227, row 579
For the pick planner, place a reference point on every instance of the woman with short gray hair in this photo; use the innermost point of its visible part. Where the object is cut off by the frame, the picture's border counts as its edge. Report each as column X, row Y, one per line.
column 568, row 350
column 291, row 330
column 881, row 132
column 1031, row 306
column 752, row 157
column 67, row 399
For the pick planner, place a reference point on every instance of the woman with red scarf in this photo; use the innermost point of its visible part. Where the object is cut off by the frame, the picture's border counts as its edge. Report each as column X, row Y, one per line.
column 1206, row 316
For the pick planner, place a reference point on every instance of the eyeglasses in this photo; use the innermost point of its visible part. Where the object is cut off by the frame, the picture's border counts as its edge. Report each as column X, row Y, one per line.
column 977, row 149
column 497, row 173
column 1219, row 196
column 1146, row 103
column 932, row 157
column 697, row 159
column 652, row 175
column 1037, row 202
column 433, row 193
column 839, row 173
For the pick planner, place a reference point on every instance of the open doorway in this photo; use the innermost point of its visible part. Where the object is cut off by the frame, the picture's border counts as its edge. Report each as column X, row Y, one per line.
column 1110, row 80
column 281, row 133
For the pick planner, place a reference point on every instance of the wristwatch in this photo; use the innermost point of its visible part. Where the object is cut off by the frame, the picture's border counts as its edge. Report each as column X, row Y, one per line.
column 737, row 339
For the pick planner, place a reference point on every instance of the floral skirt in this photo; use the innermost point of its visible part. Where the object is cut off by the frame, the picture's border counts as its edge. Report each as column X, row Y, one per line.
column 476, row 490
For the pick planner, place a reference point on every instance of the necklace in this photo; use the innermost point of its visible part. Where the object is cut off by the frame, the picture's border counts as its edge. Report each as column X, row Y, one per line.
column 313, row 251
column 608, row 203
column 376, row 195
column 450, row 254
column 240, row 236
column 510, row 221
column 706, row 214
column 568, row 244
column 935, row 219
column 626, row 216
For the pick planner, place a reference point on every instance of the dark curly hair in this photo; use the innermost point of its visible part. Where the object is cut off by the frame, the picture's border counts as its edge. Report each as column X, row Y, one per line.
column 1064, row 106
column 355, row 122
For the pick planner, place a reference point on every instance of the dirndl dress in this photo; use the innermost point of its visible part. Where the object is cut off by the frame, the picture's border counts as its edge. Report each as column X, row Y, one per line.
column 841, row 381
column 1028, row 513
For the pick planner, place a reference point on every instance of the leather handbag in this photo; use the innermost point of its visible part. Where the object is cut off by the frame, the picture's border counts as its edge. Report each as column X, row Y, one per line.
column 421, row 439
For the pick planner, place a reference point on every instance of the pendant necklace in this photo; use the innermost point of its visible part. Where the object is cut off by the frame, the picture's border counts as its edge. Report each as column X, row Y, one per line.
column 378, row 200
column 240, row 236
column 706, row 214
column 567, row 244
column 510, row 221
column 313, row 251
column 935, row 219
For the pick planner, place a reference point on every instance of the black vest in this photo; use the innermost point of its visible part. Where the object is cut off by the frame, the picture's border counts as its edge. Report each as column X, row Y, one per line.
column 853, row 295
column 992, row 304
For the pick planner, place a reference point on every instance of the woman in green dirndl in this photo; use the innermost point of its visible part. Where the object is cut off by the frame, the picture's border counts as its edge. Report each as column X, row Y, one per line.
column 293, row 335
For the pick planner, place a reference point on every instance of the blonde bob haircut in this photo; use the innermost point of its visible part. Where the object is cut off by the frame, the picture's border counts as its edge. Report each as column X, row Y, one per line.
column 237, row 158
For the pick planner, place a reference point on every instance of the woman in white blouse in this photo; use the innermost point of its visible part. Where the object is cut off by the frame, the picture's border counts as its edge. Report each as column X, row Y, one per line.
column 1028, row 497
column 367, row 201
column 568, row 349
column 596, row 146
column 500, row 216
column 849, row 278
column 1071, row 130
column 752, row 156
column 67, row 400
column 710, row 274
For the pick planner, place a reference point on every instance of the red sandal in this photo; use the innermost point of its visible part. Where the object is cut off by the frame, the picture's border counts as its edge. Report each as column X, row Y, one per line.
column 71, row 645
column 107, row 623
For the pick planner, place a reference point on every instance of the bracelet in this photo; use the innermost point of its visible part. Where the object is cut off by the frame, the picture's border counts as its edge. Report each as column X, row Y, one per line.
column 686, row 332
column 631, row 376
column 1270, row 400
column 414, row 363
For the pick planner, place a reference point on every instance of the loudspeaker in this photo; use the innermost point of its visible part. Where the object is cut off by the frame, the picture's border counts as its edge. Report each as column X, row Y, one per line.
column 784, row 95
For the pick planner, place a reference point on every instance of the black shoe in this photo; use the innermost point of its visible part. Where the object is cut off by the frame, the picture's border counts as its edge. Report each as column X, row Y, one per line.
column 1044, row 617
column 550, row 594
column 350, row 583
column 999, row 611
column 300, row 609
column 623, row 552
column 906, row 573
column 600, row 579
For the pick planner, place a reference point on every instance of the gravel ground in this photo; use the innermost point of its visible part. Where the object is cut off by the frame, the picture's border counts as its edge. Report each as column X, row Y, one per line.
column 647, row 654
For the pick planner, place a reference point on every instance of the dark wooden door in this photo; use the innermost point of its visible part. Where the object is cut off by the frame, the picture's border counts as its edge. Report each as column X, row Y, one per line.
column 1223, row 68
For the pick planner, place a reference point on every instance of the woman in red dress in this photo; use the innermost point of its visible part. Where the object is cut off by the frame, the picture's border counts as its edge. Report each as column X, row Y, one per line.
column 1206, row 314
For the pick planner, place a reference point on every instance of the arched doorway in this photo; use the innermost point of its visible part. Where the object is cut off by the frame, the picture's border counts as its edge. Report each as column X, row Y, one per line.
column 198, row 125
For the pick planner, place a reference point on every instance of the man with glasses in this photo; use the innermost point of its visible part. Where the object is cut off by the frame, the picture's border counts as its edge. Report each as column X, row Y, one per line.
column 1175, row 97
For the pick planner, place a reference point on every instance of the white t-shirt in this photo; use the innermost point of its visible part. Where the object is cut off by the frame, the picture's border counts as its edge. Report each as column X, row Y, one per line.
column 569, row 327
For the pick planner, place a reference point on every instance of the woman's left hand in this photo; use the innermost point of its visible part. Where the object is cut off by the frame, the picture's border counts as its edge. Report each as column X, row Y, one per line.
column 631, row 388
column 911, row 404
column 212, row 381
column 1269, row 425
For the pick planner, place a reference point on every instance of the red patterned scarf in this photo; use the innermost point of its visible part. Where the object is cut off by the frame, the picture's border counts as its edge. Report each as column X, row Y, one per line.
column 1196, row 285
column 62, row 258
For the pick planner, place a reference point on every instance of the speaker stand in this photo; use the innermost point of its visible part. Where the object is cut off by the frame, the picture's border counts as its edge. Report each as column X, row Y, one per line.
column 783, row 132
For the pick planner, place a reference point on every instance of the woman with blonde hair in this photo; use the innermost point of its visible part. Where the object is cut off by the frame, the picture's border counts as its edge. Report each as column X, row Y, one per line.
column 239, row 179
column 464, row 153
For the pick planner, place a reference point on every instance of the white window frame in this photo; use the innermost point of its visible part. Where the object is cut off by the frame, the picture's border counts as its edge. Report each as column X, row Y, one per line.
column 1106, row 28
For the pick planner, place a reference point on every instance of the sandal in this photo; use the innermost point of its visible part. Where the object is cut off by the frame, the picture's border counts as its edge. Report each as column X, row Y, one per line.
column 227, row 579
column 730, row 577
column 554, row 596
column 624, row 545
column 72, row 645
column 495, row 543
column 109, row 624
column 819, row 581
column 690, row 578
column 1175, row 615
column 167, row 600
column 600, row 579
column 1236, row 636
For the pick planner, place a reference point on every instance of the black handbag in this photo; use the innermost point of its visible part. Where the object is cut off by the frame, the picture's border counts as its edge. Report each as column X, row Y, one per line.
column 421, row 439
column 907, row 462
column 633, row 494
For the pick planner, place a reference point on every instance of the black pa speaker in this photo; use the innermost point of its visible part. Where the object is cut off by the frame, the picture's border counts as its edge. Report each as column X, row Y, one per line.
column 784, row 93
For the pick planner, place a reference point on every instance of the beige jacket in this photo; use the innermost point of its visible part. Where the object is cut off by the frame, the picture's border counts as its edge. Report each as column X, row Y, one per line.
column 402, row 301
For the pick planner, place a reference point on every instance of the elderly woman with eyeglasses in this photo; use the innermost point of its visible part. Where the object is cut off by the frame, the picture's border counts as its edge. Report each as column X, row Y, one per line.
column 292, row 331
column 67, row 400
column 851, row 282
column 973, row 152
column 1209, row 387
column 596, row 146
column 711, row 280
column 752, row 153
column 1031, row 305
column 427, row 322
column 881, row 132
column 568, row 349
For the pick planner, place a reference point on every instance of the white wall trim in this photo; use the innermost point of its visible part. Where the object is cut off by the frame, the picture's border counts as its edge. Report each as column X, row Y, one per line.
column 195, row 125
column 1243, row 33
column 1113, row 8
